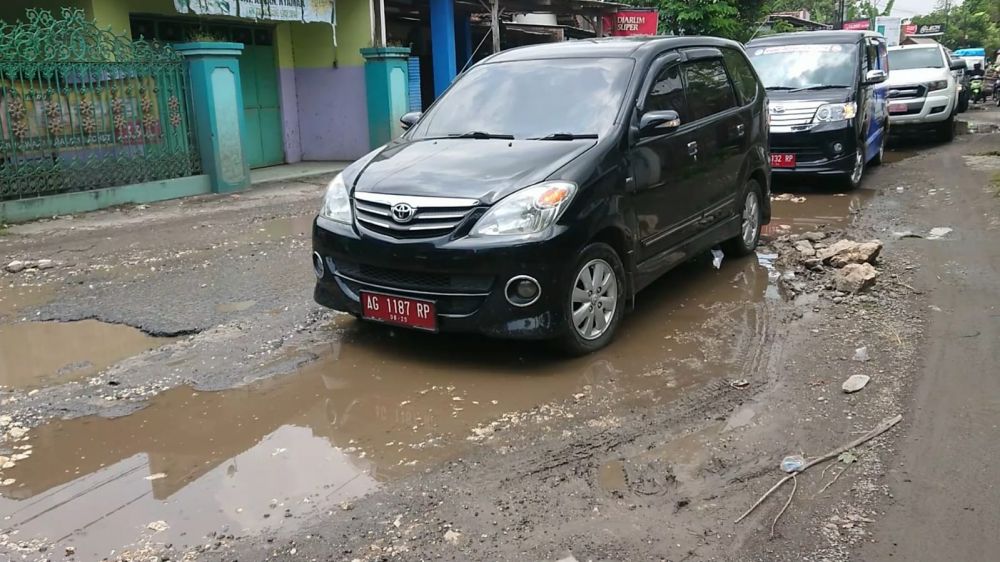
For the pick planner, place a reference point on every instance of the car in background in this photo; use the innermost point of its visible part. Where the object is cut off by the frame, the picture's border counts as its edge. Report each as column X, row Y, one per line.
column 923, row 92
column 962, row 77
column 547, row 186
column 827, row 103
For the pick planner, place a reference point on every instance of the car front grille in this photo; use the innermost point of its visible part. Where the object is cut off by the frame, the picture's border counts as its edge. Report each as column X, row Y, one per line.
column 391, row 278
column 907, row 92
column 793, row 113
column 405, row 216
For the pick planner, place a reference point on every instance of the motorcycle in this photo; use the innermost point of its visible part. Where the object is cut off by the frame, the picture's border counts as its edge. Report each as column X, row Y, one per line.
column 976, row 93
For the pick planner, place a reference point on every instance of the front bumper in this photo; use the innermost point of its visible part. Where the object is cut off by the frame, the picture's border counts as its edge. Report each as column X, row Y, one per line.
column 933, row 108
column 814, row 149
column 465, row 278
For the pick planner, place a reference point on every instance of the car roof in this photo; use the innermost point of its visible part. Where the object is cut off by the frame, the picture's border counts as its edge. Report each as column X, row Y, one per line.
column 805, row 37
column 614, row 47
column 915, row 46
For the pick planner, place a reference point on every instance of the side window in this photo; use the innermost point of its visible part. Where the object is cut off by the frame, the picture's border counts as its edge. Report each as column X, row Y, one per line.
column 883, row 56
column 709, row 91
column 871, row 56
column 667, row 93
column 743, row 76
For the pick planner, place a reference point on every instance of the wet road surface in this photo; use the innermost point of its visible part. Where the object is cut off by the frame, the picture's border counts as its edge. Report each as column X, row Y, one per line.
column 371, row 406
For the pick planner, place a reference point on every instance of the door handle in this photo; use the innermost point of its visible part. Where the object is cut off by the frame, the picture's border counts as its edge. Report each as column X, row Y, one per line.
column 693, row 148
column 740, row 129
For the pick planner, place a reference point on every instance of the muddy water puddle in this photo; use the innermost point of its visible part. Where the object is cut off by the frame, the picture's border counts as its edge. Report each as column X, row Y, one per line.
column 16, row 300
column 802, row 208
column 377, row 405
column 34, row 354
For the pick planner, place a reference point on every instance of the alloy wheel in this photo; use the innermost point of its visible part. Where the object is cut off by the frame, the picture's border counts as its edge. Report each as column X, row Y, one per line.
column 751, row 219
column 594, row 299
column 859, row 166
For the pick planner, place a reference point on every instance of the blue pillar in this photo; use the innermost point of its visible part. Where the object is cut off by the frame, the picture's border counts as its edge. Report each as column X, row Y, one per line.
column 217, row 105
column 463, row 30
column 442, row 43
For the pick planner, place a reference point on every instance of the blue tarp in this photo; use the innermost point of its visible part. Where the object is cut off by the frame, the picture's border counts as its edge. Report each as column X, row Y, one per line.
column 970, row 52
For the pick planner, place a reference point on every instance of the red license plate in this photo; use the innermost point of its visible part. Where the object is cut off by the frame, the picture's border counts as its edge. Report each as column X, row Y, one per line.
column 782, row 160
column 897, row 108
column 402, row 311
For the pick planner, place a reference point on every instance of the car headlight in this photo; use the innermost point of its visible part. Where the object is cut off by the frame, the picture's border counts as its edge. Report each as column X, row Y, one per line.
column 832, row 112
column 937, row 85
column 337, row 202
column 530, row 210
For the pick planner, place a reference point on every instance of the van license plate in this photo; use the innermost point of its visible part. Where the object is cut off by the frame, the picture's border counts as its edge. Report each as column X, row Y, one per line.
column 897, row 108
column 782, row 160
column 402, row 311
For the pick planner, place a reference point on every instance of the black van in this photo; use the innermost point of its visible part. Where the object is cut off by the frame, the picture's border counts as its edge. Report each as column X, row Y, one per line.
column 547, row 186
column 828, row 105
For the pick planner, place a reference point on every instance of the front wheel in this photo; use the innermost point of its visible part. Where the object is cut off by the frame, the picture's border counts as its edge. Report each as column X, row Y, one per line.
column 751, row 218
column 946, row 130
column 853, row 179
column 594, row 301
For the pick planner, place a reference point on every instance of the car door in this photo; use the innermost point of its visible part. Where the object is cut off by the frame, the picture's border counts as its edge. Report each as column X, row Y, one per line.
column 721, row 131
column 871, row 101
column 666, row 168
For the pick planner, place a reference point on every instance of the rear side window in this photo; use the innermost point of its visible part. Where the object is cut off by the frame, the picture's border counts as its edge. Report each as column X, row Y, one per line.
column 743, row 76
column 667, row 93
column 709, row 91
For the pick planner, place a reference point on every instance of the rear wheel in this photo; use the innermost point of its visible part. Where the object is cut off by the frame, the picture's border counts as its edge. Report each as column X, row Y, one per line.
column 751, row 218
column 594, row 301
column 879, row 158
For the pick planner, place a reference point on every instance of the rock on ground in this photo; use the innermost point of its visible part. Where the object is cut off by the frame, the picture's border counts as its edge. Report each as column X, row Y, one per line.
column 854, row 277
column 844, row 252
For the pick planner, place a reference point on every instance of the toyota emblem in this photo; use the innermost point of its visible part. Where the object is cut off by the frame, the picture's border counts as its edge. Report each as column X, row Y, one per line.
column 403, row 212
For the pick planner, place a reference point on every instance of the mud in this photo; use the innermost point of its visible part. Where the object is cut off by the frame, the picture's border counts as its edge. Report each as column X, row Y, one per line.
column 34, row 354
column 15, row 300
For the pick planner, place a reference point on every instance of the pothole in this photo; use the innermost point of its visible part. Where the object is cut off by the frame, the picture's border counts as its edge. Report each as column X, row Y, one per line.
column 34, row 354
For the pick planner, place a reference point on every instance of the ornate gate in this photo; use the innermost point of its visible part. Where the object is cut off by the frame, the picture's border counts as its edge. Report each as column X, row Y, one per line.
column 82, row 108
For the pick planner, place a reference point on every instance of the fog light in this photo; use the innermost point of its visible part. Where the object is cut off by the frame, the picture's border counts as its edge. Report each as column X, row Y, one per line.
column 318, row 265
column 522, row 290
column 838, row 148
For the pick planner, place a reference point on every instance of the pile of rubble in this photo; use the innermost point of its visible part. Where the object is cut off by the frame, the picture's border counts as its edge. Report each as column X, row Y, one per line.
column 845, row 266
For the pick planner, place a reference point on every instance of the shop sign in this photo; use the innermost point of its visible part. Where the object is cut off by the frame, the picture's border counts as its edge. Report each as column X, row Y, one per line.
column 857, row 25
column 274, row 10
column 631, row 22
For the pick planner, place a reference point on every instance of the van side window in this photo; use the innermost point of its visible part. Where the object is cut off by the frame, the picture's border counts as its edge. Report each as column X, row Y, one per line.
column 667, row 93
column 872, row 58
column 743, row 76
column 709, row 89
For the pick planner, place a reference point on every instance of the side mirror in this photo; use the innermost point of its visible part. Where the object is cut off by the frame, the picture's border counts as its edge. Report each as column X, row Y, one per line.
column 958, row 64
column 875, row 76
column 654, row 123
column 410, row 119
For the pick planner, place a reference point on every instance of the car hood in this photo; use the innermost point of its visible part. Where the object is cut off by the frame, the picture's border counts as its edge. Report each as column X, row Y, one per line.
column 916, row 76
column 486, row 170
column 837, row 95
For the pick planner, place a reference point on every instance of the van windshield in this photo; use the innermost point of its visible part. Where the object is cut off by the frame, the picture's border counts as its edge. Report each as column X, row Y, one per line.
column 800, row 67
column 531, row 99
column 906, row 59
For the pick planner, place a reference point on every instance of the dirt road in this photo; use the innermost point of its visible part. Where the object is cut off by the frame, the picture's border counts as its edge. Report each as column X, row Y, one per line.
column 169, row 389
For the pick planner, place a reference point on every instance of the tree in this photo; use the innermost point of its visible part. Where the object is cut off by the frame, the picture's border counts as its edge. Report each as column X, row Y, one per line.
column 734, row 19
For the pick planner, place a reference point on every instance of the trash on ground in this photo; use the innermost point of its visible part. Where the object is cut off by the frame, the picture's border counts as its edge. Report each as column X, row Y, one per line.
column 861, row 354
column 939, row 232
column 855, row 383
column 452, row 537
column 158, row 526
column 717, row 256
column 739, row 383
column 793, row 463
column 156, row 476
column 847, row 457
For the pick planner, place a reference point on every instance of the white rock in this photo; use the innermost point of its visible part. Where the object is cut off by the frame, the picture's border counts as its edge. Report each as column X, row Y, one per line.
column 854, row 277
column 7, row 482
column 845, row 252
column 805, row 248
column 451, row 537
column 938, row 233
column 15, row 266
column 158, row 526
column 861, row 354
column 17, row 432
column 855, row 383
column 46, row 264
column 5, row 420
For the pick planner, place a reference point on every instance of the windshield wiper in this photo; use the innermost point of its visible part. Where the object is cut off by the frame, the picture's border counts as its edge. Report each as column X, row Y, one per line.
column 565, row 136
column 481, row 135
column 820, row 87
column 779, row 88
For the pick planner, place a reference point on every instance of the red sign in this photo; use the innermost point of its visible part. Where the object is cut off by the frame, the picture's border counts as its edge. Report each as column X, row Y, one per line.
column 857, row 25
column 910, row 29
column 631, row 22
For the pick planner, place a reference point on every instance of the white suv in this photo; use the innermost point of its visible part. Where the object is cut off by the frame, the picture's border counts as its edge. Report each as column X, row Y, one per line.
column 922, row 90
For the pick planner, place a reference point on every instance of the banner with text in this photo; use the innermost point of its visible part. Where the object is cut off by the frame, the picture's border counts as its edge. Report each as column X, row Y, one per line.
column 276, row 10
column 857, row 25
column 631, row 22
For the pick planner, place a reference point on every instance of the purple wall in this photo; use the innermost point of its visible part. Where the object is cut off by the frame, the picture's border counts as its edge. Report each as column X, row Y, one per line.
column 332, row 113
column 290, row 115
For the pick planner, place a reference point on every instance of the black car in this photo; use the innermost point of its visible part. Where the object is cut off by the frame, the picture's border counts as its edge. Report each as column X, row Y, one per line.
column 827, row 101
column 548, row 186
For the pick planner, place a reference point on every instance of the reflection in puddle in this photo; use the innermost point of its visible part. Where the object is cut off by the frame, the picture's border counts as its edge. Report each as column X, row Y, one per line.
column 821, row 208
column 893, row 156
column 377, row 405
column 40, row 353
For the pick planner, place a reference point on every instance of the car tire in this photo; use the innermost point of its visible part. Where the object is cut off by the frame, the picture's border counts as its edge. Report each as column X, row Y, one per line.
column 963, row 103
column 880, row 155
column 852, row 180
column 946, row 130
column 584, row 312
column 751, row 219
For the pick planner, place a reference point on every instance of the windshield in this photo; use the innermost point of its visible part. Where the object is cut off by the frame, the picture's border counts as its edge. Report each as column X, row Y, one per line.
column 794, row 67
column 905, row 59
column 531, row 99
